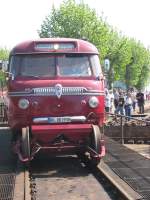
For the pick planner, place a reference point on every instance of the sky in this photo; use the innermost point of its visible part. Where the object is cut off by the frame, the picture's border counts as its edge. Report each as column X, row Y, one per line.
column 21, row 19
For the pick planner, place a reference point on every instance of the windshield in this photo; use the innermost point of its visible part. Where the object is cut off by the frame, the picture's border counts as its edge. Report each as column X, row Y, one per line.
column 68, row 65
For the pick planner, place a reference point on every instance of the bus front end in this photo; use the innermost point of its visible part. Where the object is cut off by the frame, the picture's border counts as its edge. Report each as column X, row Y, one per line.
column 56, row 99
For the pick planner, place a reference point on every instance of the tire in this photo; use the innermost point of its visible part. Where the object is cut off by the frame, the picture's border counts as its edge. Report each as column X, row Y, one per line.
column 95, row 138
column 25, row 143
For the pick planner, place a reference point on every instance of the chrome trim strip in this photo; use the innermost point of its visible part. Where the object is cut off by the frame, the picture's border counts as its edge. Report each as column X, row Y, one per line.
column 50, row 91
column 40, row 120
column 65, row 119
column 26, row 95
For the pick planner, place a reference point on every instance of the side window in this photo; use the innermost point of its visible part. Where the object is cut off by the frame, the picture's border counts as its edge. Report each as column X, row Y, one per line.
column 14, row 65
column 96, row 65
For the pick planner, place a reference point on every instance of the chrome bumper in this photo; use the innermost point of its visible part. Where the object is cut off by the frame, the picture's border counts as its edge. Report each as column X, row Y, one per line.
column 54, row 120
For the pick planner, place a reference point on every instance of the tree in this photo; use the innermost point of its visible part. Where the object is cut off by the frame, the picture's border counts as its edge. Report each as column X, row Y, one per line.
column 129, row 59
column 4, row 53
column 76, row 21
column 119, row 54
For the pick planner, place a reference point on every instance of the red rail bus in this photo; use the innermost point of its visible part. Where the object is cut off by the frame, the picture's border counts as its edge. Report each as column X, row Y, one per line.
column 55, row 98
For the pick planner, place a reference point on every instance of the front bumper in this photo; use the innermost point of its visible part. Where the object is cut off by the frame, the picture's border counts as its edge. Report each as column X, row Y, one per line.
column 47, row 133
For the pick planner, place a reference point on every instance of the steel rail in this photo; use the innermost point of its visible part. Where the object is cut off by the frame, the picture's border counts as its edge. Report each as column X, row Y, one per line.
column 19, row 182
column 119, row 184
column 127, row 117
column 27, row 193
column 122, row 186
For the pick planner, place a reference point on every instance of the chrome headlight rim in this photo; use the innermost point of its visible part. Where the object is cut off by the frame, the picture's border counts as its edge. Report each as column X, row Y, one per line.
column 23, row 104
column 93, row 102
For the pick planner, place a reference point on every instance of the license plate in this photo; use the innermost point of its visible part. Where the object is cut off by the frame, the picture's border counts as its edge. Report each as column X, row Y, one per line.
column 59, row 119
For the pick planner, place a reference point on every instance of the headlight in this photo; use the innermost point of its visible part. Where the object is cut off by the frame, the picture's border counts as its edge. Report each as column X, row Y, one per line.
column 23, row 104
column 93, row 102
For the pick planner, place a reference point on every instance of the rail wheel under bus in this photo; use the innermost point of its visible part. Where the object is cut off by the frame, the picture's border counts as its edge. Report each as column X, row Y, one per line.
column 95, row 145
column 25, row 142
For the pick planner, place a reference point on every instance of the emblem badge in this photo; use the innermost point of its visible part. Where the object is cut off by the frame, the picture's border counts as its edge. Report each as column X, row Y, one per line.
column 58, row 90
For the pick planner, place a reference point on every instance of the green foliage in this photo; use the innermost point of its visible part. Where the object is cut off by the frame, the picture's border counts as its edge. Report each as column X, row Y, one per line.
column 129, row 59
column 76, row 21
column 2, row 77
column 4, row 54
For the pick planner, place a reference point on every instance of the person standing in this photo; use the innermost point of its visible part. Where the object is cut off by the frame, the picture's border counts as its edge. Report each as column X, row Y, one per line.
column 121, row 102
column 111, row 101
column 134, row 100
column 140, row 101
column 107, row 101
column 128, row 105
column 116, row 98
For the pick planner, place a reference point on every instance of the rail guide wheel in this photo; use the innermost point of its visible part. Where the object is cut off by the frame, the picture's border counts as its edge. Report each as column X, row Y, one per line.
column 95, row 144
column 25, row 143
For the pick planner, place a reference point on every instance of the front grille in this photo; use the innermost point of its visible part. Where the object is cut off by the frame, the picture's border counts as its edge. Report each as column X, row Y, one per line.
column 43, row 90
column 65, row 91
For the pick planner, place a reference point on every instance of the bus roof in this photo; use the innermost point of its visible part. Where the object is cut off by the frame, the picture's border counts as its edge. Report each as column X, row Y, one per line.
column 54, row 45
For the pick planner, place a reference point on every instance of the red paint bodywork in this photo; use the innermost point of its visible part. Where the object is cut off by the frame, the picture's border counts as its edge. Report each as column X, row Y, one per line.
column 44, row 106
column 74, row 132
column 47, row 106
column 28, row 47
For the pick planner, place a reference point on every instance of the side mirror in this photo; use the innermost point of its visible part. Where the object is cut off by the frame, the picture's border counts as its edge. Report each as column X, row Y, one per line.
column 5, row 65
column 106, row 65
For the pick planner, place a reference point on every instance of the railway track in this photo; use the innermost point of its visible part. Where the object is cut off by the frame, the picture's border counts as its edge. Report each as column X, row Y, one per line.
column 74, row 179
column 58, row 178
column 67, row 177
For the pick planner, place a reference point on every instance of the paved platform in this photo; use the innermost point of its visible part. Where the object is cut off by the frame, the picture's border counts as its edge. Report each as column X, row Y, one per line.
column 143, row 149
column 132, row 167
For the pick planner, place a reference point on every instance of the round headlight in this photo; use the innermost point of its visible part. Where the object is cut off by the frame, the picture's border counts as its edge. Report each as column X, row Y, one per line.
column 23, row 104
column 93, row 102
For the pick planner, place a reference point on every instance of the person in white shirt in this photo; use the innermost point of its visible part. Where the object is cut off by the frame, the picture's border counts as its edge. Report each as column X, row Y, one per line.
column 107, row 101
column 128, row 105
column 111, row 101
column 134, row 100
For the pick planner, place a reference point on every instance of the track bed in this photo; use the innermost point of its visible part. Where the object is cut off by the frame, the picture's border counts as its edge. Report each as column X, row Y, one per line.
column 65, row 178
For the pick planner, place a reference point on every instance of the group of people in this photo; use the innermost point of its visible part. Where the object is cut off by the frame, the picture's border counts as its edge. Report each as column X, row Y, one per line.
column 124, row 102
